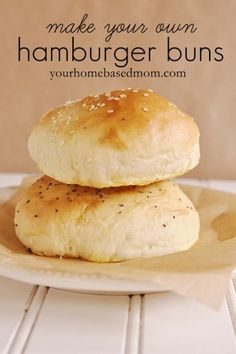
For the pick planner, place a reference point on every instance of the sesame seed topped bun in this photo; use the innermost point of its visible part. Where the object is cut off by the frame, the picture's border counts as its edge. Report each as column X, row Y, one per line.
column 105, row 225
column 120, row 138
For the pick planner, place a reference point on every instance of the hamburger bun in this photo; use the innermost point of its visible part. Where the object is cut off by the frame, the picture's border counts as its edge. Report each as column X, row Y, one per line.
column 111, row 224
column 122, row 138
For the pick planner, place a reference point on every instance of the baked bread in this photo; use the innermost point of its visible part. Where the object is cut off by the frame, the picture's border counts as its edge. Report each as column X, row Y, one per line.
column 126, row 137
column 113, row 224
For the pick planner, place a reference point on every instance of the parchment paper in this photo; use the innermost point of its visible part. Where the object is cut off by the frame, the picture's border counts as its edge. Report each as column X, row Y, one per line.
column 201, row 273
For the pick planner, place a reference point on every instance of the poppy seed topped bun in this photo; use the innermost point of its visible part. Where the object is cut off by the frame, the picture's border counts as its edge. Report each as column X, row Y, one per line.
column 105, row 225
column 120, row 138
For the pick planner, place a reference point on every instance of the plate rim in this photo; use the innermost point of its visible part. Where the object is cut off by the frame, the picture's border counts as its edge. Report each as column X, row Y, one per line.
column 86, row 283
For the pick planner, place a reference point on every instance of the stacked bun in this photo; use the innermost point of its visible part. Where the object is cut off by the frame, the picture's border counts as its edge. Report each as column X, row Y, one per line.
column 106, row 194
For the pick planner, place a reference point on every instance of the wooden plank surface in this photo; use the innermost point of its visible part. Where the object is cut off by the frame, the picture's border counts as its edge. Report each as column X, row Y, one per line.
column 80, row 323
column 175, row 325
column 15, row 299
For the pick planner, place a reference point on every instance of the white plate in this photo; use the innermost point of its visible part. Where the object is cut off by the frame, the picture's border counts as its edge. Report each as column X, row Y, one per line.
column 87, row 284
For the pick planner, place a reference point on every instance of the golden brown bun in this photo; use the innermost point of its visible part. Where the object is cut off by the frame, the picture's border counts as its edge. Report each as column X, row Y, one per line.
column 126, row 137
column 113, row 224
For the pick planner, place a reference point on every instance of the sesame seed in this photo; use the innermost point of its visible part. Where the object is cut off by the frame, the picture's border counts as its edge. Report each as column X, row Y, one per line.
column 69, row 102
column 135, row 90
column 91, row 107
column 123, row 95
column 150, row 90
column 102, row 104
column 144, row 109
column 84, row 105
column 116, row 98
column 110, row 111
column 95, row 96
column 145, row 94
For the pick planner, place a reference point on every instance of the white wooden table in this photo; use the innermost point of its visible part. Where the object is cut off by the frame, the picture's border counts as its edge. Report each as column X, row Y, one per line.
column 40, row 320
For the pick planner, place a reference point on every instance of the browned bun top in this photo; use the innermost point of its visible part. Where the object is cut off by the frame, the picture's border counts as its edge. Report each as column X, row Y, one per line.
column 124, row 137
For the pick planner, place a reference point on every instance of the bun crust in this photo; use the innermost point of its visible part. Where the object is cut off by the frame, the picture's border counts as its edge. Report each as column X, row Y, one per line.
column 126, row 137
column 113, row 224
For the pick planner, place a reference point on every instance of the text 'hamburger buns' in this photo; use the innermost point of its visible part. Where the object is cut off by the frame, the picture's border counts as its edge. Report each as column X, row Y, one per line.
column 111, row 224
column 126, row 137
